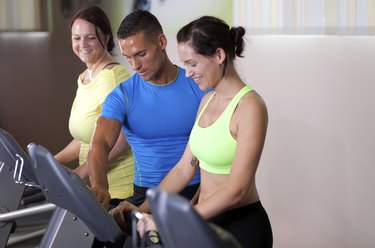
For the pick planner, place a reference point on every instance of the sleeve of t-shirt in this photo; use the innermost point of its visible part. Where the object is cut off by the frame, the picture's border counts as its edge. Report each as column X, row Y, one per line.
column 115, row 105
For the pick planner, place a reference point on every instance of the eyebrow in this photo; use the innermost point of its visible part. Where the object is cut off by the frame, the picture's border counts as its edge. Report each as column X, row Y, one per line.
column 135, row 54
column 188, row 61
column 85, row 34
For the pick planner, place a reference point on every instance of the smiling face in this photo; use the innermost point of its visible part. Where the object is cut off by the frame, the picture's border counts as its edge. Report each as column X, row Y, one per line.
column 205, row 70
column 146, row 55
column 85, row 43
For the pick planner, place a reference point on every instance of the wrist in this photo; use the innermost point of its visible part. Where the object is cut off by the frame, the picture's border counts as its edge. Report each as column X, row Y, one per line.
column 152, row 238
column 101, row 185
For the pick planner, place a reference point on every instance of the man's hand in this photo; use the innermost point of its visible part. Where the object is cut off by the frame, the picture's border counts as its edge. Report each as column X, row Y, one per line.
column 121, row 214
column 102, row 196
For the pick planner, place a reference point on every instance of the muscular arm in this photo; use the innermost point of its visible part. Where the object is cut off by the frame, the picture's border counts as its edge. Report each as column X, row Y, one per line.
column 119, row 149
column 239, row 189
column 104, row 138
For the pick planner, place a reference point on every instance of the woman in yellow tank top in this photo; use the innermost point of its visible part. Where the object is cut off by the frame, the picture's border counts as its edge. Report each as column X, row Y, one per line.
column 227, row 138
column 92, row 42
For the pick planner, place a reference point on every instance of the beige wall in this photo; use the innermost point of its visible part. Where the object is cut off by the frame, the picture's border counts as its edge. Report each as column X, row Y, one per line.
column 316, row 174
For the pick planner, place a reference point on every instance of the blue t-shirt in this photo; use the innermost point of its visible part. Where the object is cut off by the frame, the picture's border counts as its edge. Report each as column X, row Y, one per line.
column 157, row 121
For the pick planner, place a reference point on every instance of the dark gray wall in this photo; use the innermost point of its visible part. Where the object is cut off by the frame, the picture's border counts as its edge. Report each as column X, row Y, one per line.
column 38, row 81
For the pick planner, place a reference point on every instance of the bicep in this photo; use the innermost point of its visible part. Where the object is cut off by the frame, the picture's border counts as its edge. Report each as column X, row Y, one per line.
column 106, row 132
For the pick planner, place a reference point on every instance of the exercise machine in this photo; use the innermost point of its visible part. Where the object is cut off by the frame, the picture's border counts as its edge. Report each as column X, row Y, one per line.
column 77, row 218
column 16, row 178
column 179, row 224
column 77, row 206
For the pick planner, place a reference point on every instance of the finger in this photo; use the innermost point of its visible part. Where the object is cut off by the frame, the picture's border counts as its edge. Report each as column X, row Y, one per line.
column 141, row 227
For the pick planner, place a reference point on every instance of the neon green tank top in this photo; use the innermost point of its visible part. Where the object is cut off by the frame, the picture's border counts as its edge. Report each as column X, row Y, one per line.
column 214, row 146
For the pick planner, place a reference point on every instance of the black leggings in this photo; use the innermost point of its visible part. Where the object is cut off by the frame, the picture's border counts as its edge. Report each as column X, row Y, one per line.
column 249, row 225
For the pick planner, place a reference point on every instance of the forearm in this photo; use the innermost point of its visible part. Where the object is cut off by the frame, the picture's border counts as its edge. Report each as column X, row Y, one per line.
column 175, row 181
column 82, row 171
column 70, row 153
column 97, row 164
column 222, row 200
column 105, row 136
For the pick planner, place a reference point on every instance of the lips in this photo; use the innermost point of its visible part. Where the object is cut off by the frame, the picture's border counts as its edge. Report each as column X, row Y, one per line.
column 85, row 51
column 196, row 79
column 142, row 73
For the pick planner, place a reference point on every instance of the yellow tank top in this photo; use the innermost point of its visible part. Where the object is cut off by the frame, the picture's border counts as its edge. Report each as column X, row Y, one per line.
column 214, row 146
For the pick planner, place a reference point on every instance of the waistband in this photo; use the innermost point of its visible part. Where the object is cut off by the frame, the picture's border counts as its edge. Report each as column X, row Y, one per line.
column 140, row 190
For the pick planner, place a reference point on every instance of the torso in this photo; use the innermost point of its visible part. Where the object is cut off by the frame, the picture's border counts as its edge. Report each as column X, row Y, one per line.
column 157, row 121
column 209, row 185
column 209, row 180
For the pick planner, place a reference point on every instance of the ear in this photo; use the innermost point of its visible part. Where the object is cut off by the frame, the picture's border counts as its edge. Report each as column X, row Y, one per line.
column 162, row 41
column 106, row 41
column 221, row 55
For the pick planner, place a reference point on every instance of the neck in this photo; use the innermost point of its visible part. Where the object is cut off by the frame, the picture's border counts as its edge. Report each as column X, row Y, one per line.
column 167, row 74
column 230, row 84
column 91, row 70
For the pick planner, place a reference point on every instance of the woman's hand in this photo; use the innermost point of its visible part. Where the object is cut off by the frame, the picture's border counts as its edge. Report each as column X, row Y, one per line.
column 145, row 224
column 82, row 171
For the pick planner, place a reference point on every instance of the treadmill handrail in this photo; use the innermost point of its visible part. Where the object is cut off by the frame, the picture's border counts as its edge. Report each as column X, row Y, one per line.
column 15, row 214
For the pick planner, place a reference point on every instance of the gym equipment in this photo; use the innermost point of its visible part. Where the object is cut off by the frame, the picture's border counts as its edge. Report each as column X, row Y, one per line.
column 179, row 225
column 79, row 217
column 62, row 187
column 16, row 175
column 75, row 202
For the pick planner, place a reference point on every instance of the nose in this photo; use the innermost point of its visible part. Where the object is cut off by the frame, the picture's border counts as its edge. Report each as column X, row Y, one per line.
column 135, row 64
column 83, row 42
column 188, row 72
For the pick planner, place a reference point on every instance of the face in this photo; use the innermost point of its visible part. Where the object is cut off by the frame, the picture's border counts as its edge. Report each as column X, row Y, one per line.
column 145, row 56
column 205, row 70
column 85, row 42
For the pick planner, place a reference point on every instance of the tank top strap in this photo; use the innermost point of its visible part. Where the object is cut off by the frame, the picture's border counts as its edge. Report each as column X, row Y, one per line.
column 205, row 106
column 234, row 102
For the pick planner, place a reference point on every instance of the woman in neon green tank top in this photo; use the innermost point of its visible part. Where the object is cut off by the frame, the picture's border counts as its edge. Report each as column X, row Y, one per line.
column 228, row 135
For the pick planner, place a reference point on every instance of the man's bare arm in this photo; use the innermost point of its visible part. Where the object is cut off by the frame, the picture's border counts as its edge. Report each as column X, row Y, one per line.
column 104, row 138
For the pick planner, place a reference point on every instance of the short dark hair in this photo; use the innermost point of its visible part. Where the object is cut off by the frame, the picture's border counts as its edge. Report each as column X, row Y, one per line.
column 207, row 33
column 137, row 22
column 99, row 19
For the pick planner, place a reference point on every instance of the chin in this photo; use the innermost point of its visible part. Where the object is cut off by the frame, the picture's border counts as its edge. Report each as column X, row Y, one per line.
column 146, row 78
column 203, row 87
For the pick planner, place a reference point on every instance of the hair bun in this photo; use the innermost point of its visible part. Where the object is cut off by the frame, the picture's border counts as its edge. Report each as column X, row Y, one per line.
column 237, row 34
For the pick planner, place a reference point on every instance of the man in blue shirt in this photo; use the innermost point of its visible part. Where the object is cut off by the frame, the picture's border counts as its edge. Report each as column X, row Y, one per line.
column 156, row 108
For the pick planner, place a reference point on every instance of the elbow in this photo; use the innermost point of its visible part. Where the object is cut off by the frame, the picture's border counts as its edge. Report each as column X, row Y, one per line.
column 238, row 195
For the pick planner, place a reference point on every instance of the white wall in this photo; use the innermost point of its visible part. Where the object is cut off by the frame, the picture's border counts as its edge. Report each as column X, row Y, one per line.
column 316, row 173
